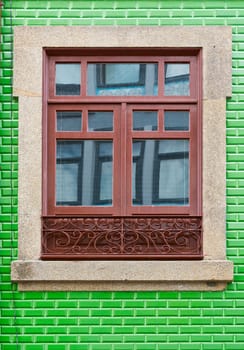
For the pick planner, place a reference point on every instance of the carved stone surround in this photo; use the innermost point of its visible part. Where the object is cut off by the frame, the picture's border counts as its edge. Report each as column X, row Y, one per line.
column 210, row 273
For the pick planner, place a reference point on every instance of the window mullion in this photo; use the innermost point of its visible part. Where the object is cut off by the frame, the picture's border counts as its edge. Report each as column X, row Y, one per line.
column 124, row 150
column 83, row 77
column 161, row 78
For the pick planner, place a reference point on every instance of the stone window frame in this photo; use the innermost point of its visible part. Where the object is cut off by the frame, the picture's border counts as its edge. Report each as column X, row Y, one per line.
column 211, row 273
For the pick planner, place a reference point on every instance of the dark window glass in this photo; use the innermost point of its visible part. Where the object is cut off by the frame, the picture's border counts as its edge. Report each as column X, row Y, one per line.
column 176, row 120
column 145, row 120
column 100, row 121
column 69, row 121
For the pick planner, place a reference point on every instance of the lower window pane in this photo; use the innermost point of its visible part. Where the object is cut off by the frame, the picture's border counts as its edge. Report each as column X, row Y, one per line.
column 84, row 172
column 160, row 172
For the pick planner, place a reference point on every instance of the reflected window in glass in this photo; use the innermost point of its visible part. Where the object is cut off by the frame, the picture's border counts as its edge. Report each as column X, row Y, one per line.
column 103, row 178
column 100, row 121
column 145, row 120
column 160, row 172
column 177, row 79
column 122, row 79
column 67, row 79
column 69, row 121
column 69, row 172
column 84, row 173
column 176, row 120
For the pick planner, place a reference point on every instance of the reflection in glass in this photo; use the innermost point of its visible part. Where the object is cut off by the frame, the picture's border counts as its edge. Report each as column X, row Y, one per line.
column 176, row 120
column 145, row 120
column 69, row 172
column 177, row 79
column 160, row 172
column 103, row 173
column 122, row 79
column 137, row 163
column 68, row 77
column 84, row 172
column 69, row 121
column 129, row 74
column 100, row 121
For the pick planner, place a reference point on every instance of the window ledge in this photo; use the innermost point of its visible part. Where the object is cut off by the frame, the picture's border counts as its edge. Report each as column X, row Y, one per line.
column 112, row 275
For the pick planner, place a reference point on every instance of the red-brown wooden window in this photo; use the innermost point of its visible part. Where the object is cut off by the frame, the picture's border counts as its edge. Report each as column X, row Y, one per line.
column 122, row 154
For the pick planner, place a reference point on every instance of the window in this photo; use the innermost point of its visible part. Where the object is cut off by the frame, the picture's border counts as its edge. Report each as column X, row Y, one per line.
column 210, row 273
column 123, row 148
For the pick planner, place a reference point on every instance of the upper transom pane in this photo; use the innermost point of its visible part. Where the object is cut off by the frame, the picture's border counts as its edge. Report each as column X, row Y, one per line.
column 122, row 79
column 177, row 79
column 67, row 79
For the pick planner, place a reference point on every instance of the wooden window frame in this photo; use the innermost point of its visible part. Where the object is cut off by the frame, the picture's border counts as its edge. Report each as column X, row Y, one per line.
column 122, row 137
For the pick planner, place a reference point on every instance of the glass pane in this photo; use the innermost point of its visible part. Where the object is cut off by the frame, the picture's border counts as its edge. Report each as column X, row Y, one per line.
column 100, row 121
column 69, row 121
column 68, row 77
column 145, row 120
column 176, row 120
column 137, row 152
column 121, row 73
column 68, row 172
column 160, row 172
column 122, row 79
column 84, row 171
column 177, row 79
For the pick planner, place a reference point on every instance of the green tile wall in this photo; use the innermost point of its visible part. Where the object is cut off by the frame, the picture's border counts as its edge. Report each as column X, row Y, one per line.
column 122, row 320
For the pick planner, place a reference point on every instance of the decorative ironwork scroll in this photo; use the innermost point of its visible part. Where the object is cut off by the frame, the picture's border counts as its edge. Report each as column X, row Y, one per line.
column 122, row 238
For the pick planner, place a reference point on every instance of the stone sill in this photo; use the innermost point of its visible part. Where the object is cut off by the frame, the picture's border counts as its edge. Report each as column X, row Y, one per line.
column 122, row 275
